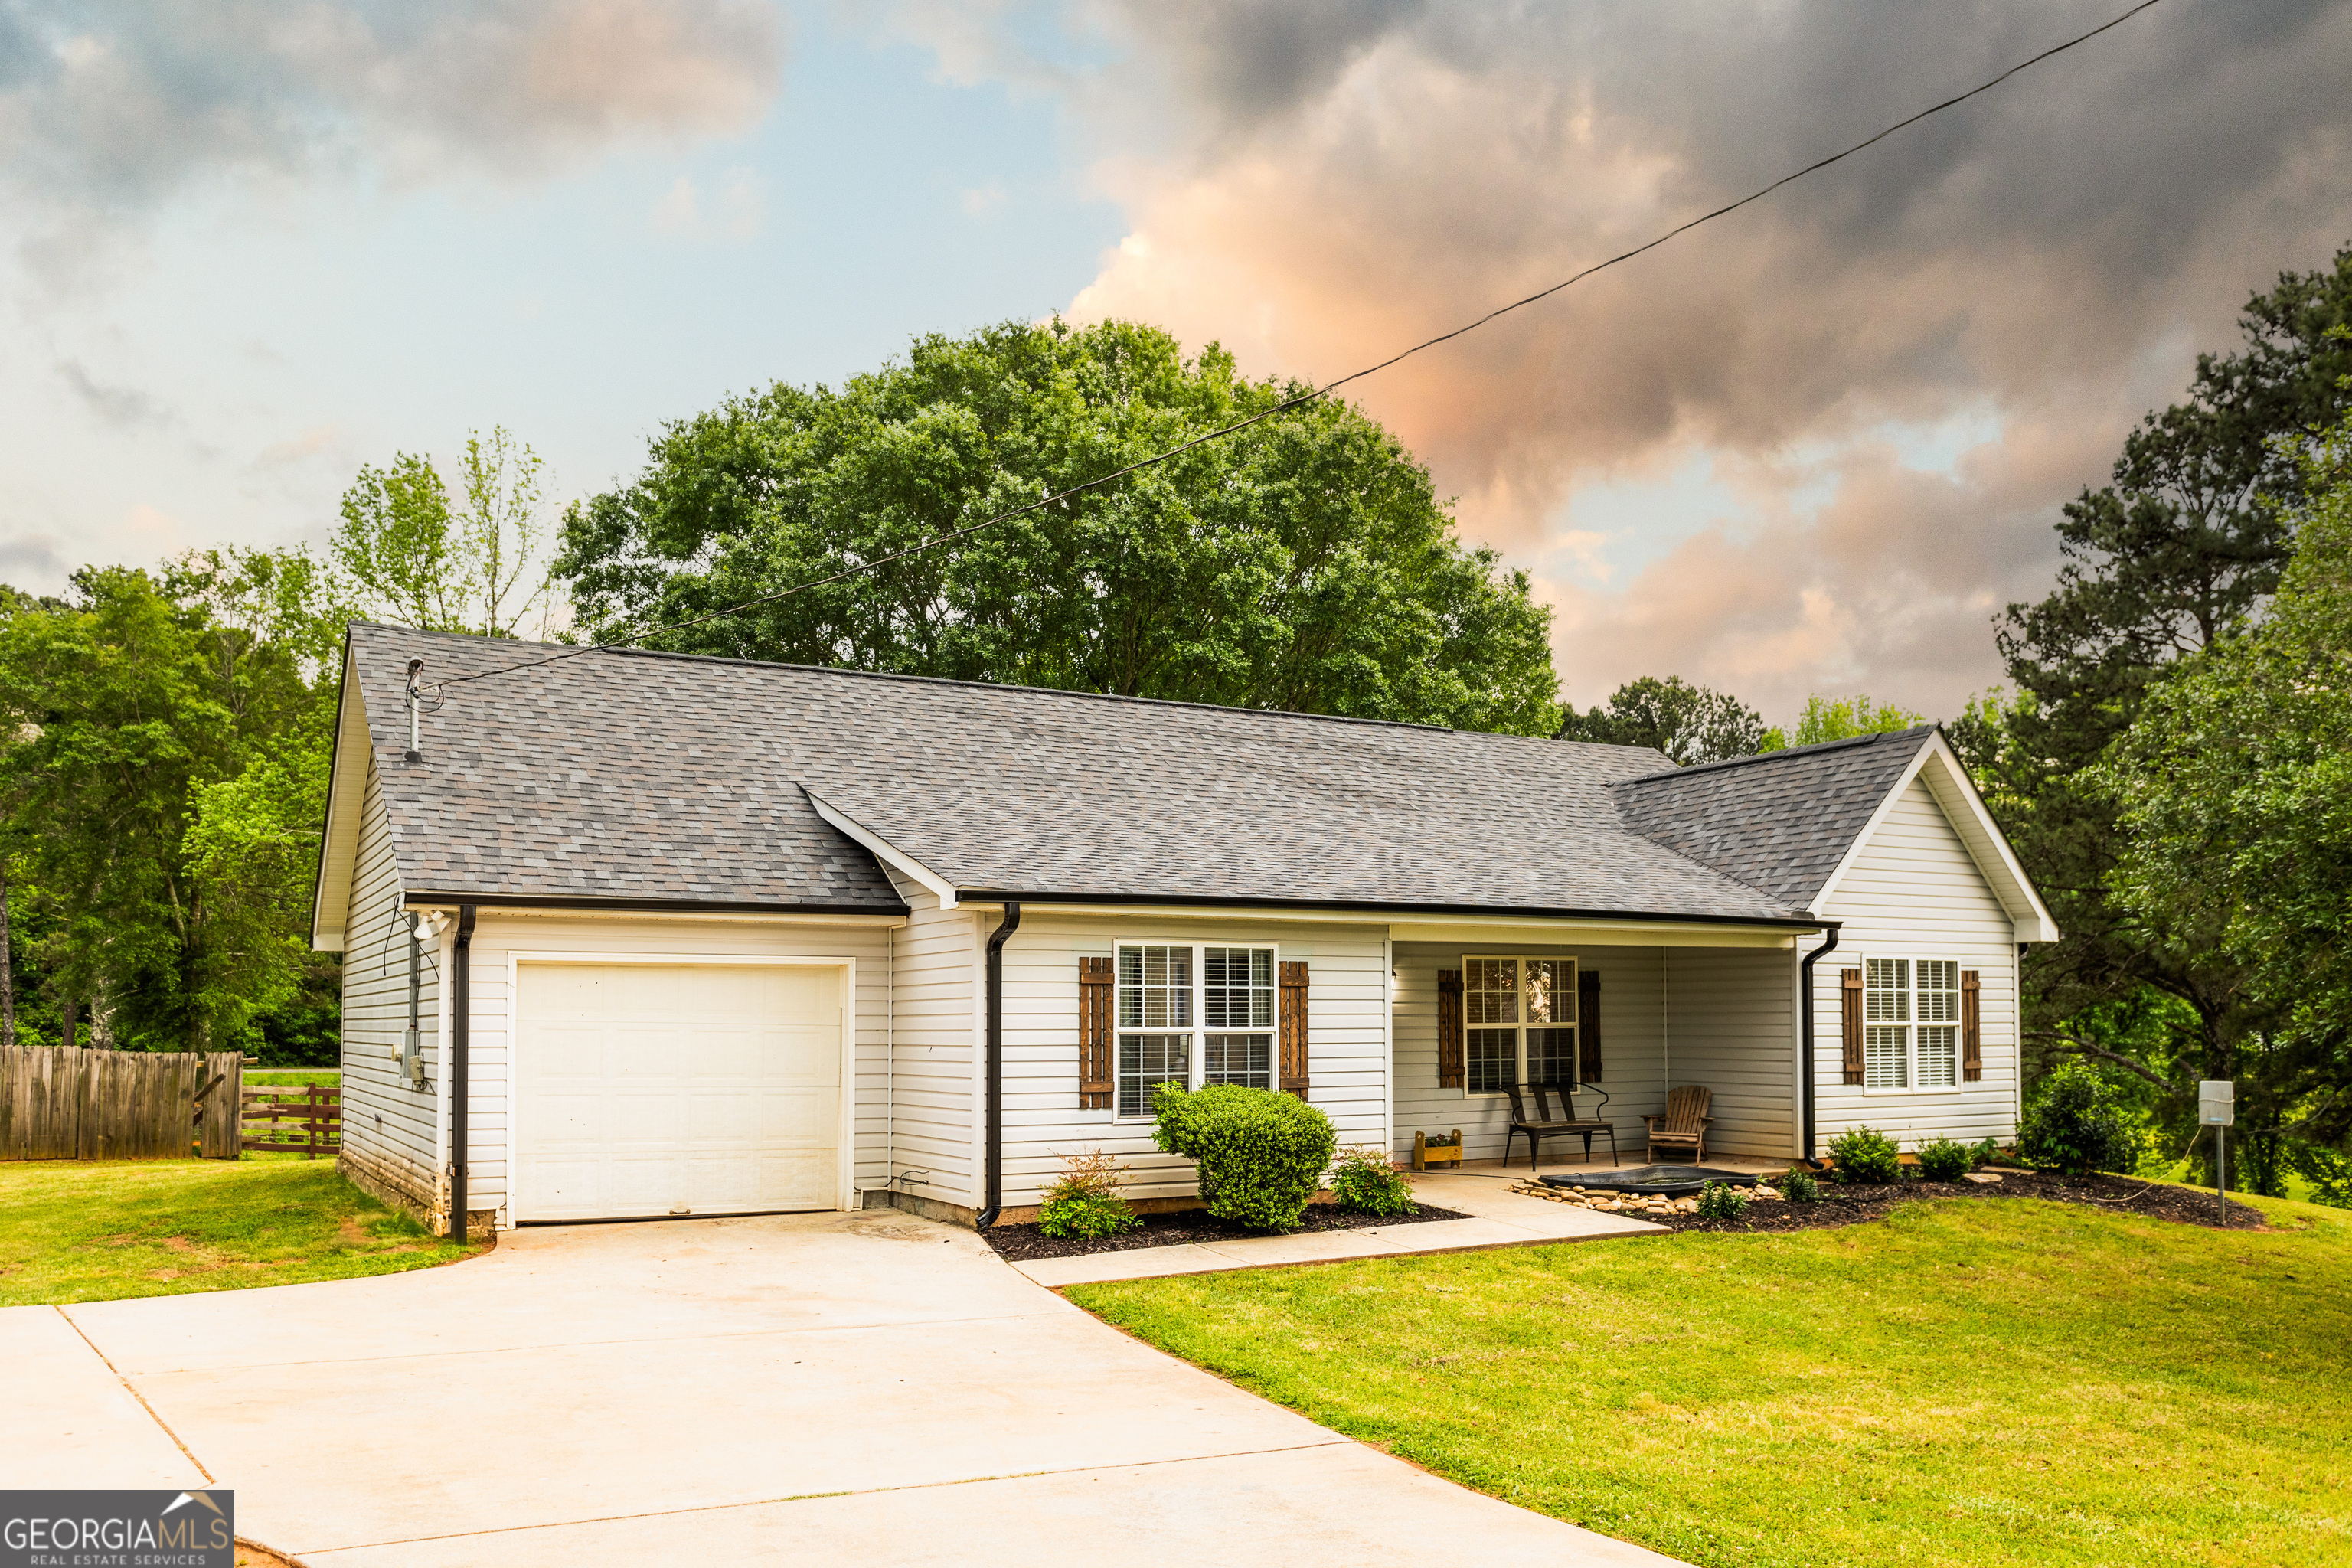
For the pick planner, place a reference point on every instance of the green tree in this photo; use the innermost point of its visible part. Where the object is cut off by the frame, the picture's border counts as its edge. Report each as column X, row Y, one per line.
column 404, row 552
column 1304, row 564
column 161, row 721
column 1689, row 723
column 1838, row 719
column 2233, row 789
column 2175, row 556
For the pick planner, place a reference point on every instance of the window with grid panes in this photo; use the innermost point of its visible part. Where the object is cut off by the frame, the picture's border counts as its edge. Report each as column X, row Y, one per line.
column 1191, row 1015
column 1518, row 1023
column 1911, row 1023
column 1237, row 1009
column 1937, row 1044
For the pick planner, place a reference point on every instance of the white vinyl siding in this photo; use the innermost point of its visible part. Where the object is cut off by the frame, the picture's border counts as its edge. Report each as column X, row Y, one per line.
column 1346, row 1033
column 1731, row 1019
column 389, row 1129
column 934, row 1020
column 1914, row 895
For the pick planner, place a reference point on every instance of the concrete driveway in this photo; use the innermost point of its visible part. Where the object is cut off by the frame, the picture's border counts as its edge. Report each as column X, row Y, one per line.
column 871, row 1386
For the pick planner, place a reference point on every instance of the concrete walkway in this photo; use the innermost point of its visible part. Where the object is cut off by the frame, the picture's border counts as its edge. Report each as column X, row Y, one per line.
column 872, row 1386
column 1498, row 1217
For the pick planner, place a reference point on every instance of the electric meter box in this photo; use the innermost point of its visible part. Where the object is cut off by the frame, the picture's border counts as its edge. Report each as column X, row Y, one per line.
column 2216, row 1103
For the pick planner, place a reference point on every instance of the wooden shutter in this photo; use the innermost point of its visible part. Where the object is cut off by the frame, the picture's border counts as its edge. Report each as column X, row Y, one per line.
column 1293, row 1017
column 1093, row 1034
column 1850, row 996
column 1449, row 1029
column 1588, row 1026
column 1971, row 1027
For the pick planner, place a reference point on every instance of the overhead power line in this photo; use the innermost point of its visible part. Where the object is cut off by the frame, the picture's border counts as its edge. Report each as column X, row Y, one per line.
column 1313, row 394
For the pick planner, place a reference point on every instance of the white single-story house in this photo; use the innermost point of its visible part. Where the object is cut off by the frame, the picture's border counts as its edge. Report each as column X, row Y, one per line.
column 632, row 934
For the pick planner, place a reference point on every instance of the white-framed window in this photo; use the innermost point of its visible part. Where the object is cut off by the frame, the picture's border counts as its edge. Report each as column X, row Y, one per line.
column 1910, row 1023
column 1192, row 1014
column 1519, row 1022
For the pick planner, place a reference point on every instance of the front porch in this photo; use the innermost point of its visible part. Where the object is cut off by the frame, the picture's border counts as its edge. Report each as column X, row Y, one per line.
column 1616, row 1024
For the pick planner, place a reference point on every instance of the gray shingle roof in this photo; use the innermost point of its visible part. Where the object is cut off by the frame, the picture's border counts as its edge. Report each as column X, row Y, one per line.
column 661, row 777
column 1781, row 821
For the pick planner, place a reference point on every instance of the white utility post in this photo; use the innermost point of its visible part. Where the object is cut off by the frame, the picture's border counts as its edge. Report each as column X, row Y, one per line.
column 2217, row 1108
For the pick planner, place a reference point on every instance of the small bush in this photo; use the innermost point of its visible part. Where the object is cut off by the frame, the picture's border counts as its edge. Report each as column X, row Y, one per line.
column 1800, row 1187
column 1085, row 1218
column 1260, row 1152
column 1364, row 1178
column 2075, row 1125
column 1984, row 1151
column 1084, row 1201
column 1865, row 1157
column 1944, row 1160
column 1720, row 1200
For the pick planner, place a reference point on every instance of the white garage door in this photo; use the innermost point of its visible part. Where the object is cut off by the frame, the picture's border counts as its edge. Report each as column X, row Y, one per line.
column 662, row 1089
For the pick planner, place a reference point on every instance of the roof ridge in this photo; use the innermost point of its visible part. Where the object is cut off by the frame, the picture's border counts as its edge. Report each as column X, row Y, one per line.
column 950, row 680
column 1817, row 748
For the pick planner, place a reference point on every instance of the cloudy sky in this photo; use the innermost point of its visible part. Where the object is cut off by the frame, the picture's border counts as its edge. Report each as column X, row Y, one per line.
column 245, row 247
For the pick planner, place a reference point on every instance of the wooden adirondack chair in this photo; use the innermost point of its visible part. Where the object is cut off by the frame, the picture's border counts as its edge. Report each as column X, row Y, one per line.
column 1684, row 1126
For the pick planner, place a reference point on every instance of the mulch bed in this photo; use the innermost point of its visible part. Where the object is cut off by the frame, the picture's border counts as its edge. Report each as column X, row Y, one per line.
column 1024, row 1243
column 1851, row 1205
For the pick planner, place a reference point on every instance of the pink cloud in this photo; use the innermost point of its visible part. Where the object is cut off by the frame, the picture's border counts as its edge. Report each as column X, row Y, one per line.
column 1317, row 191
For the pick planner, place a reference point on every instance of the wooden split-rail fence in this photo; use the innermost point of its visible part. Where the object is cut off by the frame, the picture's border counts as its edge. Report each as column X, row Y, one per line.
column 64, row 1102
column 307, row 1121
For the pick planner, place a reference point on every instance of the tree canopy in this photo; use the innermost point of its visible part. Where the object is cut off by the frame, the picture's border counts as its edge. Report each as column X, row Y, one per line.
column 405, row 553
column 1304, row 564
column 1689, row 723
column 164, row 795
column 1840, row 719
column 2234, row 789
column 2180, row 554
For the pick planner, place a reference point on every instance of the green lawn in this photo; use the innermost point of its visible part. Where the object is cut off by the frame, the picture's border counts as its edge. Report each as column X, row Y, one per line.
column 1971, row 1383
column 293, row 1078
column 99, row 1230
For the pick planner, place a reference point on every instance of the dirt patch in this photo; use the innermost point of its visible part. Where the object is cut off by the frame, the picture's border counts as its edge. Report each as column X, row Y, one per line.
column 253, row 1555
column 1023, row 1243
column 2113, row 1194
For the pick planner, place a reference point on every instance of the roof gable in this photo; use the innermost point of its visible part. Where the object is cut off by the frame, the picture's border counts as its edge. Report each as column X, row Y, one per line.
column 1939, row 768
column 1782, row 821
column 1794, row 821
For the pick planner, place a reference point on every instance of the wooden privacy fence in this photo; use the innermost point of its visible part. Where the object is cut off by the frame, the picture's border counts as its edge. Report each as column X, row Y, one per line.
column 64, row 1102
column 315, row 1114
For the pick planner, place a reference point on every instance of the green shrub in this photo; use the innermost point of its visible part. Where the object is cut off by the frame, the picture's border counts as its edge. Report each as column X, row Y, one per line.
column 1364, row 1178
column 1984, row 1151
column 1084, row 1201
column 2075, row 1125
column 1944, row 1160
column 1085, row 1218
column 1865, row 1157
column 1720, row 1200
column 1260, row 1152
column 1800, row 1187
